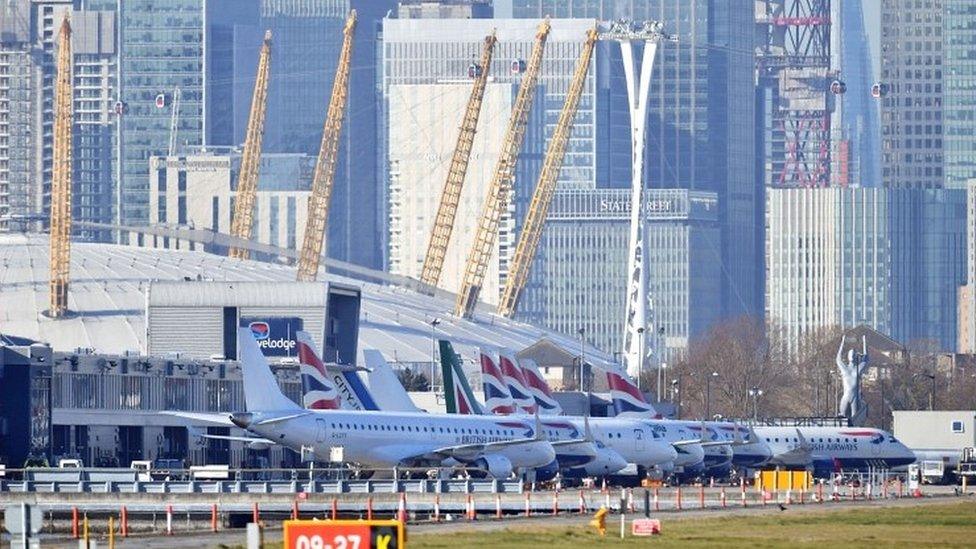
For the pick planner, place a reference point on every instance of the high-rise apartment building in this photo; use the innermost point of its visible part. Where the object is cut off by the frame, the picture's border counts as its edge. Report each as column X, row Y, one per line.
column 15, row 115
column 911, row 111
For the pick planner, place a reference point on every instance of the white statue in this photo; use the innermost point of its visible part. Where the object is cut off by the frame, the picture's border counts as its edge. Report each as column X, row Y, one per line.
column 850, row 374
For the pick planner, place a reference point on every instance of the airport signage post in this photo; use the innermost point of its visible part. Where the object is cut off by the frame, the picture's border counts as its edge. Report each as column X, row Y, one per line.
column 343, row 534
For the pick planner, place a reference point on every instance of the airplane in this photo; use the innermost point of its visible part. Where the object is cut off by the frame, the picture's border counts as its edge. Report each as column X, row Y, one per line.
column 720, row 452
column 834, row 449
column 500, row 446
column 571, row 449
column 633, row 442
column 690, row 452
column 825, row 449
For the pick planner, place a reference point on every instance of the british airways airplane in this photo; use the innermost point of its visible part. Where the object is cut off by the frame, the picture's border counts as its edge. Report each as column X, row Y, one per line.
column 631, row 442
column 834, row 449
column 382, row 439
column 720, row 452
column 690, row 455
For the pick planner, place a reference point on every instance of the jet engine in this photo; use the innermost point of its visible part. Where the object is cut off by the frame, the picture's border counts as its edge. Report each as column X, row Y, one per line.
column 498, row 466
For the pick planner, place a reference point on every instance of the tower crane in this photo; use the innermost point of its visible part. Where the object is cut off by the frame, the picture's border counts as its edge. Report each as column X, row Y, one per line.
column 440, row 235
column 247, row 180
column 322, row 179
column 61, row 180
column 531, row 232
column 499, row 190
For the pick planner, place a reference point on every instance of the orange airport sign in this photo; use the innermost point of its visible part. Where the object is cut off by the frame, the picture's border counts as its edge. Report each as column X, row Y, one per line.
column 343, row 534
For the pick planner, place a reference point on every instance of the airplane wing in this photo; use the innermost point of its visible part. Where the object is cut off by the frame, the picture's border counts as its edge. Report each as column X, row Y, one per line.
column 689, row 442
column 220, row 420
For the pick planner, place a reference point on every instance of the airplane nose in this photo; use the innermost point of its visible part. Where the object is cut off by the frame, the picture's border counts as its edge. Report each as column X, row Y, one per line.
column 242, row 419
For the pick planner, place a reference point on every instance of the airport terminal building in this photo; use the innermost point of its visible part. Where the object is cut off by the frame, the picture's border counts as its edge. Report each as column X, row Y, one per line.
column 152, row 330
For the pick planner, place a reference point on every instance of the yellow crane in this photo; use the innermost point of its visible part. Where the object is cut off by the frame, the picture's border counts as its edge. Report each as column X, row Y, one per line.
column 440, row 235
column 499, row 190
column 61, row 180
column 247, row 179
column 528, row 241
column 318, row 202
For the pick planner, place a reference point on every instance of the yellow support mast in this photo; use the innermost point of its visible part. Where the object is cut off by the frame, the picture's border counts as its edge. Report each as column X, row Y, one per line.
column 499, row 190
column 528, row 242
column 322, row 179
column 247, row 179
column 440, row 235
column 61, row 180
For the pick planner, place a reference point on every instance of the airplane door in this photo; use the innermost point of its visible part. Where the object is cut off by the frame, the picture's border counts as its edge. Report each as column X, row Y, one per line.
column 320, row 430
column 639, row 442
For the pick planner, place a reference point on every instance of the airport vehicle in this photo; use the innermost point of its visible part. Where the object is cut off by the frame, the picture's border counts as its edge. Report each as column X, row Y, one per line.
column 500, row 446
column 70, row 464
column 634, row 442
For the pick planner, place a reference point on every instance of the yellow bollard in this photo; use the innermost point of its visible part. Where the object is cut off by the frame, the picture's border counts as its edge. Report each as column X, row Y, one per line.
column 964, row 484
column 600, row 521
column 85, row 529
column 111, row 532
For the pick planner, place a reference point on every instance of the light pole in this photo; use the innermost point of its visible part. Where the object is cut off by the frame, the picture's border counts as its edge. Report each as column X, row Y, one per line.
column 662, row 385
column 755, row 393
column 675, row 398
column 433, row 352
column 660, row 362
column 932, row 392
column 582, row 333
column 640, row 354
column 708, row 394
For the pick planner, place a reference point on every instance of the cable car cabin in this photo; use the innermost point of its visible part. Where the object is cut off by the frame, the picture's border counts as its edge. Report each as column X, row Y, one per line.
column 474, row 70
column 161, row 101
column 518, row 66
column 879, row 89
column 838, row 87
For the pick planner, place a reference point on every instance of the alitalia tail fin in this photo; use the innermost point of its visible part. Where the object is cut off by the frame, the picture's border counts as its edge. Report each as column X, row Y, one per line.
column 457, row 392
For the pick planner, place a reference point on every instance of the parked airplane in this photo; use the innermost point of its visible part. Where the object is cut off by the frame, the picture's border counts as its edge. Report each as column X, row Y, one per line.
column 631, row 441
column 720, row 452
column 382, row 439
column 832, row 449
column 690, row 457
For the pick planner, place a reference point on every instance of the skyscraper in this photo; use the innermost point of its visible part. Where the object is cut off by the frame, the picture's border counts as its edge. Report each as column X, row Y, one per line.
column 162, row 50
column 888, row 258
column 911, row 111
column 959, row 92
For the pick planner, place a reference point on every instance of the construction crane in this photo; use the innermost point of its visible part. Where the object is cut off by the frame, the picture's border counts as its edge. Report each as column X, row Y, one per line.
column 528, row 241
column 247, row 179
column 174, row 120
column 318, row 202
column 440, row 235
column 61, row 180
column 499, row 190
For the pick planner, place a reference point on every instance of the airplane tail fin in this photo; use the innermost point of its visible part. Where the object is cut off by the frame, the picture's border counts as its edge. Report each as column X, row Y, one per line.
column 457, row 393
column 626, row 396
column 512, row 375
column 261, row 390
column 537, row 385
column 498, row 399
column 318, row 392
column 382, row 381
